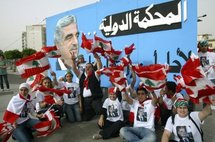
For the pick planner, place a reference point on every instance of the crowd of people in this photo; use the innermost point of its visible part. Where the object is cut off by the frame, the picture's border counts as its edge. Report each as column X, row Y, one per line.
column 84, row 102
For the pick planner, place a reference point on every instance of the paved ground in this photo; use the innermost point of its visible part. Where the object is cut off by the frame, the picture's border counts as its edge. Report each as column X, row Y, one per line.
column 83, row 131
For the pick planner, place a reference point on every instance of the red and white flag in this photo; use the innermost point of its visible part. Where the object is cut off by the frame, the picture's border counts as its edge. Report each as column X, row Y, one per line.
column 56, row 91
column 33, row 64
column 125, row 61
column 45, row 128
column 14, row 109
column 197, row 86
column 105, row 71
column 113, row 54
column 51, row 51
column 117, row 77
column 119, row 82
column 101, row 43
column 180, row 83
column 6, row 130
column 87, row 43
column 34, row 80
column 153, row 76
column 111, row 70
column 129, row 50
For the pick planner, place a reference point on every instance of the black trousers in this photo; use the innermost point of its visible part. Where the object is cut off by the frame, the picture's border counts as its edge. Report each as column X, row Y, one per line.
column 165, row 114
column 5, row 80
column 91, row 107
column 111, row 129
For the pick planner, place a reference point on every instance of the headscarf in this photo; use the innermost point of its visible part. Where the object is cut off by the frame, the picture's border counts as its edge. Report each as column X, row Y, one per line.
column 24, row 85
column 181, row 102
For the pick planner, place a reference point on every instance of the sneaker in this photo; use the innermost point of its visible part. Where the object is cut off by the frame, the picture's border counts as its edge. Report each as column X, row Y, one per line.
column 97, row 136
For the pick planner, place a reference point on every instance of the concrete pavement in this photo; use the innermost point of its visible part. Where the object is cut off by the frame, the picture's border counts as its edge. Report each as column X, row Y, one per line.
column 83, row 131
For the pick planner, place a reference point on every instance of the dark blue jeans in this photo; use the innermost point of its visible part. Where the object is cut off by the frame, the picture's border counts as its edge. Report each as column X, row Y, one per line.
column 23, row 131
column 5, row 80
column 137, row 134
column 72, row 112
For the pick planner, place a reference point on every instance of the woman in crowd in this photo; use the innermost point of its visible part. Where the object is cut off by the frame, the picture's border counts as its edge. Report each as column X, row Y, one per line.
column 72, row 102
column 185, row 126
column 18, row 113
column 47, row 99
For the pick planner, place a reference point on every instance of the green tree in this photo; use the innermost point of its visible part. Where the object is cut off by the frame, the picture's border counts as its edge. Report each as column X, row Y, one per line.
column 28, row 51
column 1, row 52
column 13, row 54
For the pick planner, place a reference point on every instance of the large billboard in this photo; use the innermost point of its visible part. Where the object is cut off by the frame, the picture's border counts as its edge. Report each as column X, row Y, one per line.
column 163, row 31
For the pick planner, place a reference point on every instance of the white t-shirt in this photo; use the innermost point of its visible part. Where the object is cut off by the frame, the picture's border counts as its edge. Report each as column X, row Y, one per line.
column 168, row 102
column 207, row 60
column 73, row 97
column 125, row 105
column 185, row 127
column 143, row 115
column 114, row 110
column 81, row 67
column 40, row 96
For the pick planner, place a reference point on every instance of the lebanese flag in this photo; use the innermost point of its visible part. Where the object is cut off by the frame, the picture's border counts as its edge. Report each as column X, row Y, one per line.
column 14, row 109
column 35, row 79
column 197, row 93
column 87, row 43
column 153, row 76
column 45, row 128
column 197, row 86
column 125, row 61
column 180, row 83
column 117, row 77
column 113, row 54
column 51, row 51
column 6, row 130
column 106, row 71
column 192, row 70
column 110, row 70
column 129, row 50
column 119, row 82
column 101, row 43
column 32, row 65
column 56, row 91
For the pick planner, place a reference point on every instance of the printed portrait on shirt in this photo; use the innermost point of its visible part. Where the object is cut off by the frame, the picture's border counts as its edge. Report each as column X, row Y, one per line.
column 183, row 134
column 73, row 94
column 112, row 111
column 204, row 61
column 141, row 115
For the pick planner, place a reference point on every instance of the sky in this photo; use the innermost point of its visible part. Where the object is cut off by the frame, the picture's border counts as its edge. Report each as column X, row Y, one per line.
column 17, row 14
